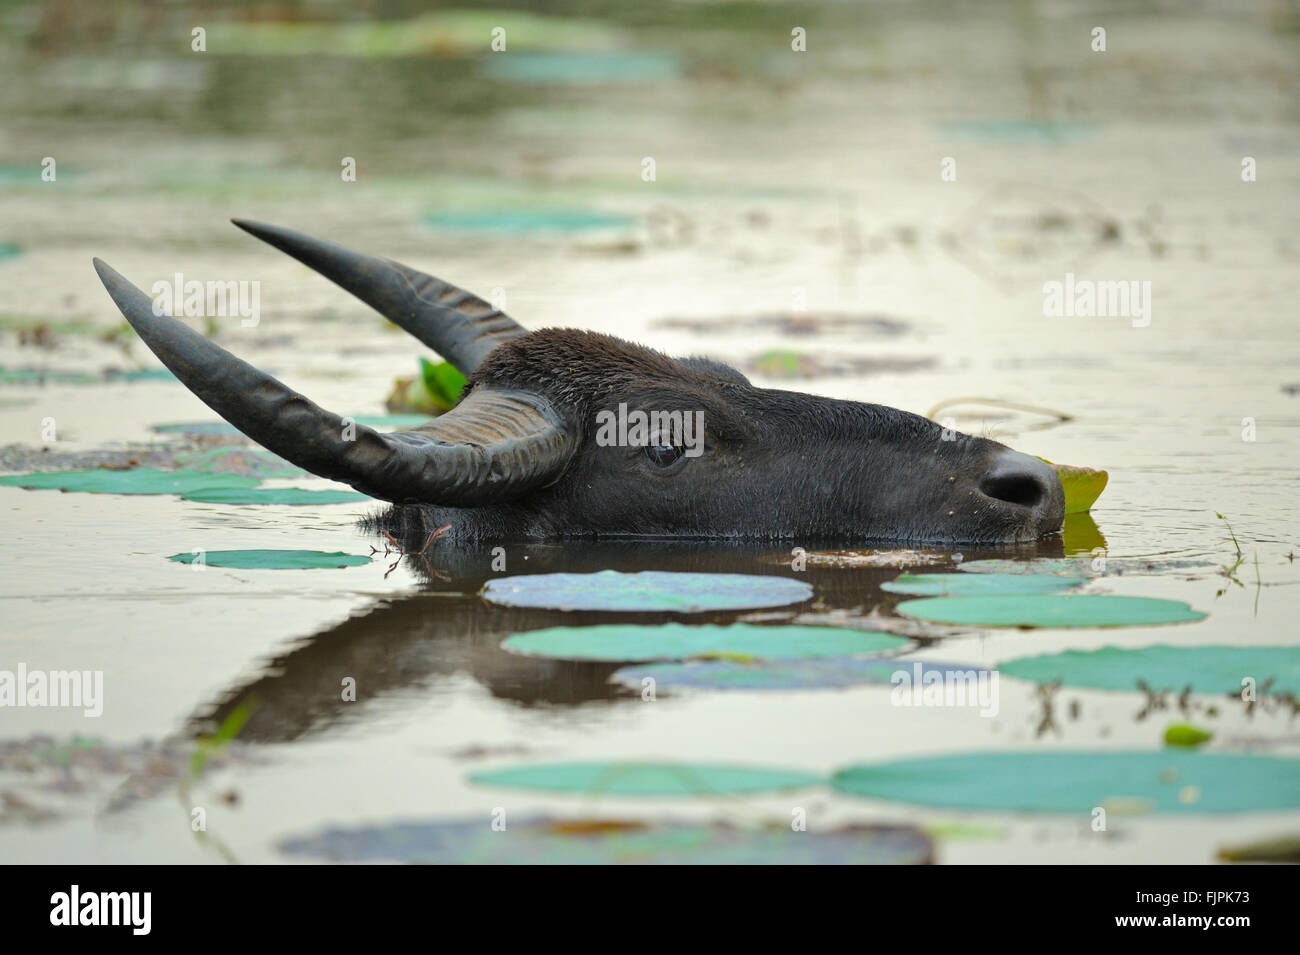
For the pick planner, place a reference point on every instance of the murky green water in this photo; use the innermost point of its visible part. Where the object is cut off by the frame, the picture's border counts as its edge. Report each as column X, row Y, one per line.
column 781, row 179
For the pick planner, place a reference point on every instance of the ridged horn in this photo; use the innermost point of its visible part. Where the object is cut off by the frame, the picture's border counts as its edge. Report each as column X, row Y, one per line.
column 493, row 446
column 458, row 325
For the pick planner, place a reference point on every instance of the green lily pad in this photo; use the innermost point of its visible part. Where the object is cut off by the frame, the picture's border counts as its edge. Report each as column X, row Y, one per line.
column 1082, row 486
column 546, row 841
column 1215, row 669
column 648, row 779
column 1077, row 782
column 647, row 591
column 274, row 559
column 675, row 641
column 979, row 584
column 1050, row 610
column 443, row 382
column 133, row 481
column 819, row 674
column 1184, row 734
column 273, row 495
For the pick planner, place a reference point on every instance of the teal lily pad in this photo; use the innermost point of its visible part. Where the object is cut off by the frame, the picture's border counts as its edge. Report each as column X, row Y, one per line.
column 675, row 641
column 1050, row 610
column 648, row 779
column 647, row 591
column 1167, row 780
column 819, row 674
column 45, row 376
column 1216, row 669
column 979, row 584
column 273, row 495
column 584, row 67
column 544, row 841
column 133, row 481
column 273, row 559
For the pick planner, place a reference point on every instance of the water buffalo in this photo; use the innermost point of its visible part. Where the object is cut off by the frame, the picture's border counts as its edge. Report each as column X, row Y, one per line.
column 526, row 453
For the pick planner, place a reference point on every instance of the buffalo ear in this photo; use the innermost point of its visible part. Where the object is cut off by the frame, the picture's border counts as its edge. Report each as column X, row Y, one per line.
column 458, row 325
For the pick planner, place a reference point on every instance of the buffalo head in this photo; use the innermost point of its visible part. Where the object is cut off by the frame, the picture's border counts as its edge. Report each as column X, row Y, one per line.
column 566, row 433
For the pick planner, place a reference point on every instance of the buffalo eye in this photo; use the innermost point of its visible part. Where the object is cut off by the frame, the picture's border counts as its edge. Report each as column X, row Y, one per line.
column 663, row 455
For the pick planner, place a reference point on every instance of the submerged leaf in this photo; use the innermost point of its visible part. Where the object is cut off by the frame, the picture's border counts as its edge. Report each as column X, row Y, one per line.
column 675, row 641
column 605, row 841
column 977, row 584
column 1281, row 849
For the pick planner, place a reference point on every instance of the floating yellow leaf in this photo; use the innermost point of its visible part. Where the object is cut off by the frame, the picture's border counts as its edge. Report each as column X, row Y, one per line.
column 1082, row 486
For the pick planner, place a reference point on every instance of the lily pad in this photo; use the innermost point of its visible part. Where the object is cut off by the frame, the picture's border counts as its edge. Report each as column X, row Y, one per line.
column 611, row 841
column 45, row 376
column 1051, row 610
column 583, row 68
column 979, row 584
column 675, row 641
column 647, row 591
column 1076, row 782
column 273, row 495
column 131, row 481
column 1082, row 486
column 443, row 382
column 648, row 779
column 1214, row 669
column 273, row 559
column 820, row 674
column 1184, row 734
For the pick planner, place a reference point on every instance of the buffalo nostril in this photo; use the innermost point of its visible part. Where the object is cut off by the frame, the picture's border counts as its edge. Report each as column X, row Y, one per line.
column 1022, row 489
column 1022, row 480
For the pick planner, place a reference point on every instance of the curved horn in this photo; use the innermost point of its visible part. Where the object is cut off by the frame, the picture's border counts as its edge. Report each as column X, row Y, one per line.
column 458, row 325
column 491, row 447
